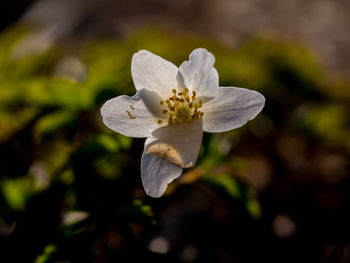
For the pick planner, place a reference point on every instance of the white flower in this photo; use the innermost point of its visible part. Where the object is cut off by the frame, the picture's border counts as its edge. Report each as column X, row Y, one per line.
column 171, row 108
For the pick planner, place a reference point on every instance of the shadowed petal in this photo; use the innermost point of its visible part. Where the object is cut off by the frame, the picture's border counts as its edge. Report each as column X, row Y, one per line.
column 231, row 108
column 152, row 100
column 157, row 173
column 169, row 150
column 178, row 143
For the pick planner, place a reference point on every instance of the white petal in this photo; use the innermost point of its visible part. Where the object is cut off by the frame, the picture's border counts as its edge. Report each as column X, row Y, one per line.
column 169, row 150
column 231, row 108
column 157, row 173
column 152, row 100
column 199, row 74
column 130, row 116
column 153, row 73
column 178, row 143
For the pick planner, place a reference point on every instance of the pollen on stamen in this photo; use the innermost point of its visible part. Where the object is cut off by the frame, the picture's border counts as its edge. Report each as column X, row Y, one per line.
column 130, row 116
column 181, row 107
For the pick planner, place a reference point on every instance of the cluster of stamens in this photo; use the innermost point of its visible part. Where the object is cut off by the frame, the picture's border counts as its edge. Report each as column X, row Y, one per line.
column 181, row 106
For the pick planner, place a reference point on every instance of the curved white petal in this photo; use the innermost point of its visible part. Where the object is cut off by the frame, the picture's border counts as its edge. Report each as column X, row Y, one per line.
column 152, row 99
column 199, row 74
column 231, row 108
column 178, row 143
column 129, row 116
column 169, row 150
column 153, row 73
column 157, row 173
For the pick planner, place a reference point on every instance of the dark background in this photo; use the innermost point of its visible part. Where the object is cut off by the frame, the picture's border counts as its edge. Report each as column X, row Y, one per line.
column 275, row 190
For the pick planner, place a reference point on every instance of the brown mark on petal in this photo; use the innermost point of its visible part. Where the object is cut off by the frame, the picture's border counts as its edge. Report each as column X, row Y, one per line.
column 132, row 107
column 130, row 116
column 168, row 152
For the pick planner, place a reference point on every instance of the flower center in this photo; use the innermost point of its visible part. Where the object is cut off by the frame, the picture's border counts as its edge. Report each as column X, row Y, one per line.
column 181, row 107
column 183, row 113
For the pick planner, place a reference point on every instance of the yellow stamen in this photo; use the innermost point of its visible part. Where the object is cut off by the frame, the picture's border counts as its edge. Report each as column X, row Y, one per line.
column 180, row 107
column 130, row 116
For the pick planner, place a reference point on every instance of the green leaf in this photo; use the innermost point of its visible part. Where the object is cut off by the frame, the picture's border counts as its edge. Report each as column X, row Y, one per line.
column 17, row 191
column 224, row 182
column 45, row 256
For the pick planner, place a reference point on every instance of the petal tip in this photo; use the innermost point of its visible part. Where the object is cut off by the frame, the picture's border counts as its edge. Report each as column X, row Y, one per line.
column 202, row 52
column 105, row 109
column 200, row 49
column 139, row 54
column 157, row 173
column 142, row 52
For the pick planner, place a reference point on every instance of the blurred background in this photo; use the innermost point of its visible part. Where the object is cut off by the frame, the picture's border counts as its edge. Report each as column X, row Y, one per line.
column 276, row 189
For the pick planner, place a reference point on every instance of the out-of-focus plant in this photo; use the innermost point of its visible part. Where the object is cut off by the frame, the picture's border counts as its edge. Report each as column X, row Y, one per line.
column 56, row 157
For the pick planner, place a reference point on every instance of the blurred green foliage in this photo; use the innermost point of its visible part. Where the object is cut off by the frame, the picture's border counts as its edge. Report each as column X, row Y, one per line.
column 58, row 157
